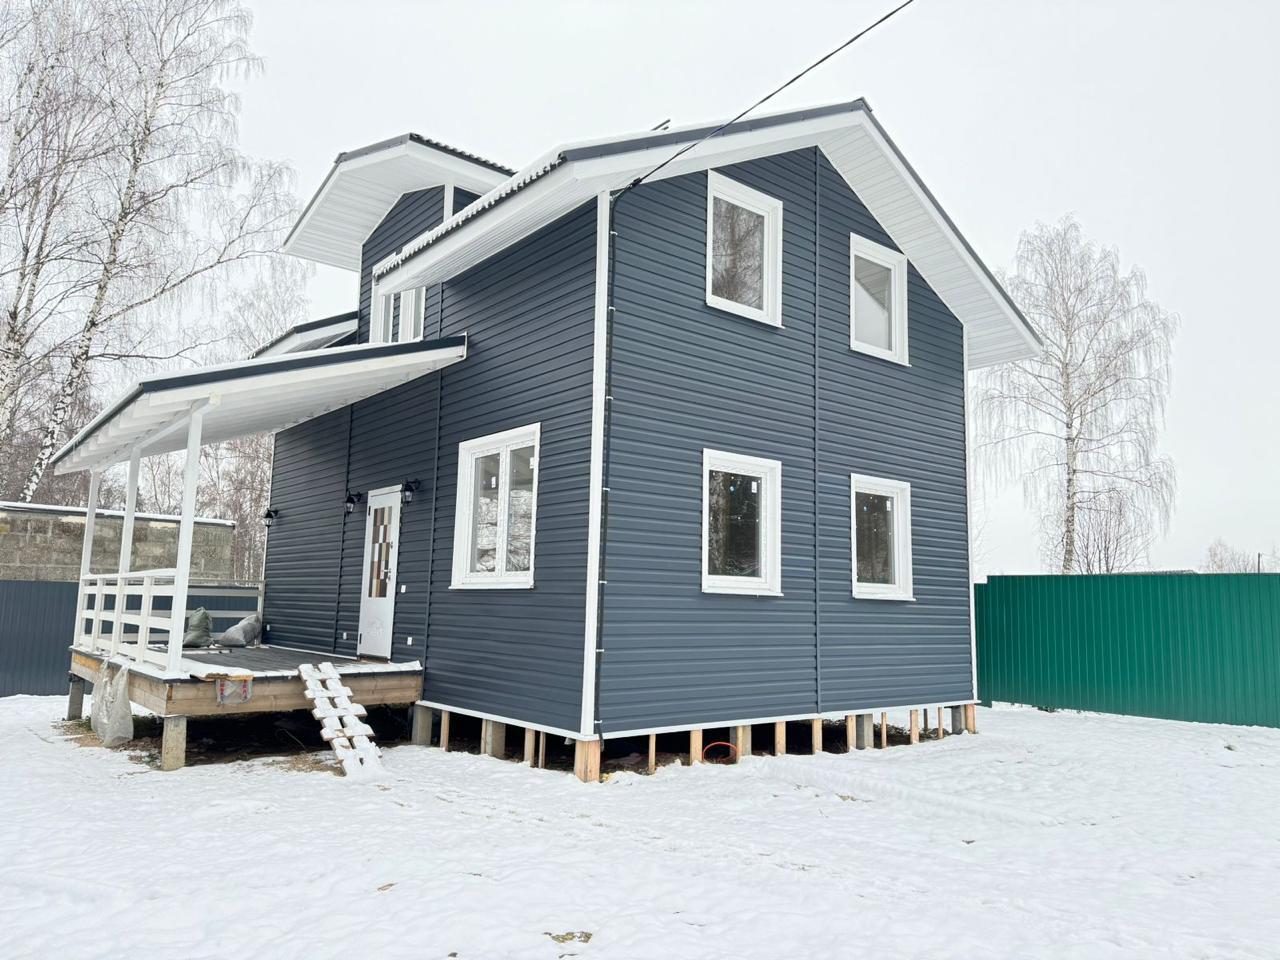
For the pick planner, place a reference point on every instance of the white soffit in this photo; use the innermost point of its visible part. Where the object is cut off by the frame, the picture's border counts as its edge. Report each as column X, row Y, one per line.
column 364, row 185
column 252, row 396
column 852, row 140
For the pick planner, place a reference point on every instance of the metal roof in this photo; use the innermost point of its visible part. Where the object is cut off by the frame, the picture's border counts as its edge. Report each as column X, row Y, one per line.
column 310, row 335
column 850, row 136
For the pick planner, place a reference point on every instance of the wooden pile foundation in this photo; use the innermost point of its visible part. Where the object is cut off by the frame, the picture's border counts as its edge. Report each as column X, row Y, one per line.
column 861, row 732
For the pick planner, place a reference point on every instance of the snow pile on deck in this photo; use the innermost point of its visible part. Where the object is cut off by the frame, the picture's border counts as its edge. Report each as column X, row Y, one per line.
column 1047, row 835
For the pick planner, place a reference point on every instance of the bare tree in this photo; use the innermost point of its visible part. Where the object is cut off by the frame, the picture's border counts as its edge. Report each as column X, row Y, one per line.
column 173, row 202
column 1222, row 557
column 1079, row 424
column 235, row 475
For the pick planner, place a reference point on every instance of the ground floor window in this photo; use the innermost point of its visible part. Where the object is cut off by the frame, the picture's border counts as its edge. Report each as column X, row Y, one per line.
column 741, row 524
column 496, row 510
column 881, row 535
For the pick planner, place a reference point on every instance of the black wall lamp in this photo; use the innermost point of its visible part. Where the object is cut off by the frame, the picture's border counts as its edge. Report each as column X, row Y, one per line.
column 269, row 516
column 407, row 490
column 353, row 500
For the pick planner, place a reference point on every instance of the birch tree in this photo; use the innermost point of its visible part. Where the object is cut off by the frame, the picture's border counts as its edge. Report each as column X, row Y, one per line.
column 174, row 203
column 1080, row 423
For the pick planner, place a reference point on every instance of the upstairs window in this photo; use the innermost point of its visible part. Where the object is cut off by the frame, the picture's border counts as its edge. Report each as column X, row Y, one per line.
column 741, row 524
column 877, row 300
column 881, row 538
column 396, row 317
column 496, row 511
column 744, row 250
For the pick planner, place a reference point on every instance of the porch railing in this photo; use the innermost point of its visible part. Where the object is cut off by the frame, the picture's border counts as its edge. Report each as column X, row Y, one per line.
column 131, row 615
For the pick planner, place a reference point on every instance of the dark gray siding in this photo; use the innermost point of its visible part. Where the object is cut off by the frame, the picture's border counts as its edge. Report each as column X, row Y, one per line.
column 412, row 214
column 308, row 486
column 462, row 198
column 685, row 377
column 528, row 315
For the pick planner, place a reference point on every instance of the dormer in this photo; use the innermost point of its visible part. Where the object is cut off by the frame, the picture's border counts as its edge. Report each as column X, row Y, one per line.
column 363, row 185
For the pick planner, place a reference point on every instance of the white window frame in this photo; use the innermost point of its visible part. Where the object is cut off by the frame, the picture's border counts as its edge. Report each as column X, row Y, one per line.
column 862, row 248
column 900, row 491
column 769, row 583
column 468, row 452
column 382, row 314
column 770, row 208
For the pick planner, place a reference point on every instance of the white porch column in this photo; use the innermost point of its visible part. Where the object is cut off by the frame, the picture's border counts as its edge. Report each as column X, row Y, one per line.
column 86, row 555
column 186, row 528
column 126, row 557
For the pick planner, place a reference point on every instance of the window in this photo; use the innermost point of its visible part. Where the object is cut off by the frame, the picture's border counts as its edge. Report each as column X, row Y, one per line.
column 396, row 316
column 877, row 300
column 881, row 534
column 496, row 510
column 741, row 524
column 744, row 250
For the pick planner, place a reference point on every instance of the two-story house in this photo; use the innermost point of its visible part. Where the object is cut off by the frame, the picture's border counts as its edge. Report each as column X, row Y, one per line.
column 692, row 452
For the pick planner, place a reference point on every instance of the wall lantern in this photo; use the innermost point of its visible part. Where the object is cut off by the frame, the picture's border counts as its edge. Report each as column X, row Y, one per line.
column 269, row 516
column 353, row 500
column 407, row 489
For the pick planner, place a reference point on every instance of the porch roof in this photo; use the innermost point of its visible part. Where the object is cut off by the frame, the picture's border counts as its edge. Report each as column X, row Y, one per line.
column 251, row 396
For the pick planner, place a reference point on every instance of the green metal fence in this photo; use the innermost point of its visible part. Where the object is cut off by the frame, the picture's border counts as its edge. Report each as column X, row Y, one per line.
column 1177, row 646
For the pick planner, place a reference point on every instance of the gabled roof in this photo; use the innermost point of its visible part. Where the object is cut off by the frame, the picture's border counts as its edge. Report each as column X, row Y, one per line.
column 847, row 133
column 363, row 184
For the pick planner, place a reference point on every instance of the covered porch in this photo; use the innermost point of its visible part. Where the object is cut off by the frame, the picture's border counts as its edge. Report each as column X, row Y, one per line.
column 137, row 618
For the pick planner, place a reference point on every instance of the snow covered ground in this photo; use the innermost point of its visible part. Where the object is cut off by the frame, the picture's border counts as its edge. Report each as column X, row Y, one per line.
column 1048, row 835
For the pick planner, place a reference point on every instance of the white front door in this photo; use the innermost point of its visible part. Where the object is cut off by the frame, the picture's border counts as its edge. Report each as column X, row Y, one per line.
column 378, row 582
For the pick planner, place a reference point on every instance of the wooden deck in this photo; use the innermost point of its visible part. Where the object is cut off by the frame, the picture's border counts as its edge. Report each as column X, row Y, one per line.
column 275, row 685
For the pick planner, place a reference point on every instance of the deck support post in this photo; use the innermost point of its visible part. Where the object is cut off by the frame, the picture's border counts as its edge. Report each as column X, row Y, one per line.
column 741, row 741
column 586, row 760
column 815, row 744
column 186, row 529
column 864, row 731
column 780, row 738
column 421, row 727
column 542, row 749
column 493, row 738
column 126, row 556
column 957, row 720
column 75, row 698
column 970, row 718
column 850, row 735
column 915, row 726
column 444, row 730
column 86, row 557
column 173, row 744
column 530, row 739
column 884, row 731
column 653, row 753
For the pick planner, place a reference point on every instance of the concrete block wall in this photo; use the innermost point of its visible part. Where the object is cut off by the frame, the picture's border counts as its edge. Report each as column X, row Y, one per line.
column 45, row 545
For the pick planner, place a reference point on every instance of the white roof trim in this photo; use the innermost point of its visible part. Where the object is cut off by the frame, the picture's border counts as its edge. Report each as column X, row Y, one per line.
column 362, row 187
column 310, row 336
column 252, row 396
column 852, row 140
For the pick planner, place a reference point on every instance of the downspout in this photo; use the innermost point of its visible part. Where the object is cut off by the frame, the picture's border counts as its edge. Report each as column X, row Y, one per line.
column 817, row 436
column 611, row 260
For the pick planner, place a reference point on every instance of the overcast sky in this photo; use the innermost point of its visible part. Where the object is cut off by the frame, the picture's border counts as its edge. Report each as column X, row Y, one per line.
column 1154, row 123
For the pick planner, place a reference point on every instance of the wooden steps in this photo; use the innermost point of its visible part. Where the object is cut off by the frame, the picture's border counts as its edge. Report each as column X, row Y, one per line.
column 340, row 720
